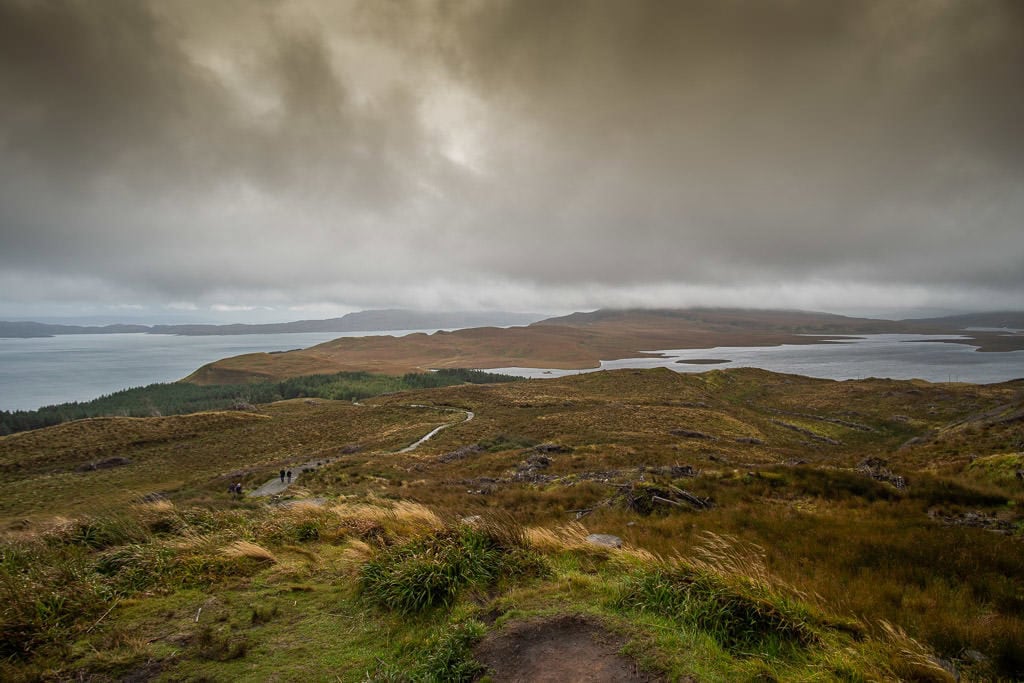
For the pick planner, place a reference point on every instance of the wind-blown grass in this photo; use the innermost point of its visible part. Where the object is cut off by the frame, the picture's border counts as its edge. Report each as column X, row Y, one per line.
column 728, row 593
column 430, row 572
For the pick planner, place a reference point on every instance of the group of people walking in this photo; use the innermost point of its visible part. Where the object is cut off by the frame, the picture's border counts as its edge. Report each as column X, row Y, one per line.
column 235, row 489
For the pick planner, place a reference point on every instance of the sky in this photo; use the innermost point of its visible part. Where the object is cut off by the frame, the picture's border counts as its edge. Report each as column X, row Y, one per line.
column 300, row 159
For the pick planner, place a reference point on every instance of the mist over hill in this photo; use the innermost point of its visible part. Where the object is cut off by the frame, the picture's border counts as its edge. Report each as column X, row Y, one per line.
column 361, row 321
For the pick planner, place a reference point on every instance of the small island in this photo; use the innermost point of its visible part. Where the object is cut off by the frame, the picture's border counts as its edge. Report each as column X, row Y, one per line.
column 703, row 361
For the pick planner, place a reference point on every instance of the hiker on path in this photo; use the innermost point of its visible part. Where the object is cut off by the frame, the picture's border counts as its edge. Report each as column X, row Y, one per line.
column 289, row 476
column 282, row 476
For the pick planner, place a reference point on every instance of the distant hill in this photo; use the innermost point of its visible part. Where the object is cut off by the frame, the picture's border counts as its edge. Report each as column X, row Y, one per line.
column 577, row 341
column 361, row 321
column 997, row 319
column 26, row 330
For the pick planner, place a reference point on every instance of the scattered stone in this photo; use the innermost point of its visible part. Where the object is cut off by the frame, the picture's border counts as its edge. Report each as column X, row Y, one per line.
column 530, row 469
column 681, row 471
column 607, row 540
column 877, row 469
column 552, row 448
column 351, row 448
column 460, row 453
column 538, row 461
column 691, row 434
column 974, row 520
column 644, row 498
column 482, row 486
column 947, row 666
column 975, row 656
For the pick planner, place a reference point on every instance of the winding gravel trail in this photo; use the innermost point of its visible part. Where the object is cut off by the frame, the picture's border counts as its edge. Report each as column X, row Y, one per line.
column 431, row 434
column 275, row 486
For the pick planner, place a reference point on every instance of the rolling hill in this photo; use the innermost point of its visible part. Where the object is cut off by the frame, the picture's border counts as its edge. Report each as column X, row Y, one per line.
column 576, row 341
column 773, row 527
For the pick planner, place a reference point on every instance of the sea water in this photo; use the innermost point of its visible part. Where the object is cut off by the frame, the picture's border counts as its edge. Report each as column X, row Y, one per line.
column 37, row 372
column 895, row 356
column 81, row 367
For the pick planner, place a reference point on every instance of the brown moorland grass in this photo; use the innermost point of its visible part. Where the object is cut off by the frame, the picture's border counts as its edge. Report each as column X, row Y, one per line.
column 554, row 452
column 190, row 456
column 580, row 340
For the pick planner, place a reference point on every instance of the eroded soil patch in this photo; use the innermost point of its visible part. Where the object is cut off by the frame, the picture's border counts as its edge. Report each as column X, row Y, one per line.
column 562, row 649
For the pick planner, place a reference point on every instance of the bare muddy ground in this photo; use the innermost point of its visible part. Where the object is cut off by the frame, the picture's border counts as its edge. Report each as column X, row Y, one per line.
column 563, row 649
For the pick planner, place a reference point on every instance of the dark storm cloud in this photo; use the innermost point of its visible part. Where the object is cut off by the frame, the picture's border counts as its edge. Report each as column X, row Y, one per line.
column 774, row 138
column 512, row 153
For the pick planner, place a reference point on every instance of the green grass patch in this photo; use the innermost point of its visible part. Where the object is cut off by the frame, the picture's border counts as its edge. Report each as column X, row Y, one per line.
column 431, row 572
column 739, row 620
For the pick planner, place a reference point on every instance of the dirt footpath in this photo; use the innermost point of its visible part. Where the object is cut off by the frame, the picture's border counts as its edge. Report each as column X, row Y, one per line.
column 563, row 649
column 275, row 485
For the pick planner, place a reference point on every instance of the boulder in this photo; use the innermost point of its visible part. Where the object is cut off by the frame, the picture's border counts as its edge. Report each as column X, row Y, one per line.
column 606, row 540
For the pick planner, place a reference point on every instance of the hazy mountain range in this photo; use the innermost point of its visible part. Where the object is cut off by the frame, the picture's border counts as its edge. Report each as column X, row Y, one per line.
column 361, row 321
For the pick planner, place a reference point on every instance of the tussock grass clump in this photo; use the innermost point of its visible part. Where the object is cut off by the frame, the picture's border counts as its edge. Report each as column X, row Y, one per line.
column 909, row 660
column 250, row 550
column 400, row 519
column 739, row 620
column 45, row 593
column 136, row 566
column 725, row 591
column 99, row 532
column 300, row 522
column 429, row 572
column 566, row 537
column 445, row 657
column 448, row 656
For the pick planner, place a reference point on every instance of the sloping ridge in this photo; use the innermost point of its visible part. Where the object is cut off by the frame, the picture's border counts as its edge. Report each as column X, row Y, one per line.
column 576, row 341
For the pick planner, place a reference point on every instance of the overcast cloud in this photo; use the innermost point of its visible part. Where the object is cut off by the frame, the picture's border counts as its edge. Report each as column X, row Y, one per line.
column 315, row 157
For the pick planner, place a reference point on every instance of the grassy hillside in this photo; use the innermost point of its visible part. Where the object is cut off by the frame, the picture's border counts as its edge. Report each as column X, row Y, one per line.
column 580, row 340
column 775, row 527
column 179, row 398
